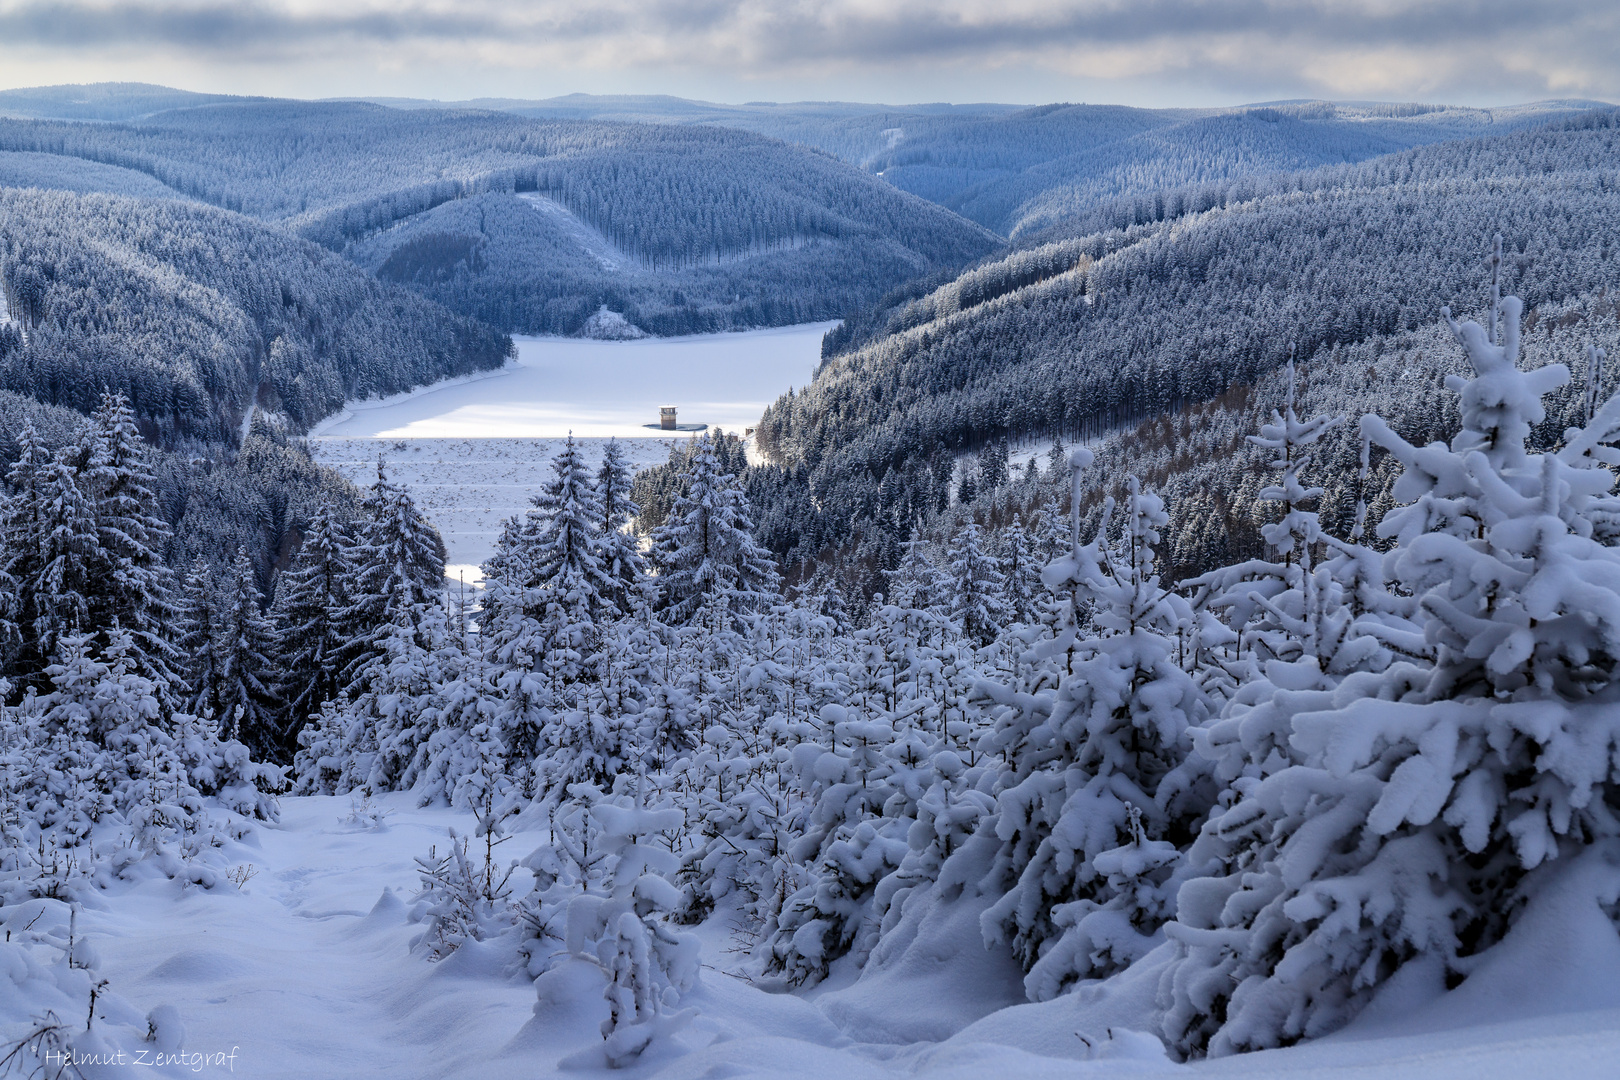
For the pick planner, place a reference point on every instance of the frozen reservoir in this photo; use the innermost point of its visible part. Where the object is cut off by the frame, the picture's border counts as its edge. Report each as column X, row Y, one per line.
column 474, row 451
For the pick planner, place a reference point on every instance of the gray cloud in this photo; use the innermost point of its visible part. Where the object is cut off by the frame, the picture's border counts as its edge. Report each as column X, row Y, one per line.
column 1373, row 47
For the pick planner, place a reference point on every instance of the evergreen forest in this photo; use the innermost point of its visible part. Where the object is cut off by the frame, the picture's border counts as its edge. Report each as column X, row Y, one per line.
column 1187, row 594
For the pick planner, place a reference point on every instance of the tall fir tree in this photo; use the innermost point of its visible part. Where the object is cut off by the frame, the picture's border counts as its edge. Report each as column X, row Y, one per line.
column 398, row 565
column 23, row 544
column 978, row 600
column 917, row 583
column 63, row 584
column 706, row 547
column 132, row 587
column 994, row 469
column 198, row 631
column 311, row 599
column 622, row 561
column 547, row 590
column 967, row 486
column 245, row 647
column 560, row 541
column 1021, row 566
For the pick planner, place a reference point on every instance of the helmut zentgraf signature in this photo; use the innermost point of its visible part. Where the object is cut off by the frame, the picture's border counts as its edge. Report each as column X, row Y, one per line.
column 195, row 1060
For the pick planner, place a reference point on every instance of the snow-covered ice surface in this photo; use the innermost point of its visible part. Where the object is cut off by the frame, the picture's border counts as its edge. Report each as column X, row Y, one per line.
column 306, row 973
column 474, row 450
column 599, row 389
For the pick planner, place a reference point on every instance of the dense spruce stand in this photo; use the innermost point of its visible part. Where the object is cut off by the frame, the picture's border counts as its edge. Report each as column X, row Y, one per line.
column 1114, row 774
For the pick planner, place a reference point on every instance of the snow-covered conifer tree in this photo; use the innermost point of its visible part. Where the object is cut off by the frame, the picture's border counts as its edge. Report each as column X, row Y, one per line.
column 621, row 559
column 559, row 576
column 993, row 466
column 583, row 744
column 464, row 752
column 131, row 585
column 978, row 599
column 1052, row 530
column 379, row 739
column 245, row 651
column 706, row 547
column 398, row 576
column 52, row 554
column 198, row 627
column 1095, row 761
column 308, row 612
column 22, row 560
column 848, row 845
column 81, row 548
column 1021, row 567
column 1430, row 802
column 1270, row 631
column 917, row 583
column 967, row 484
column 623, row 925
column 560, row 540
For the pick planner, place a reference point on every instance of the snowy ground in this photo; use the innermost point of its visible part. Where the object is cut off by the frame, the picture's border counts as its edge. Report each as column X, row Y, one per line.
column 474, row 450
column 306, row 972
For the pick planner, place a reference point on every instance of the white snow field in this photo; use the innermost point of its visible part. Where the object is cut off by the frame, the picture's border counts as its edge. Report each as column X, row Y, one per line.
column 306, row 973
column 474, row 450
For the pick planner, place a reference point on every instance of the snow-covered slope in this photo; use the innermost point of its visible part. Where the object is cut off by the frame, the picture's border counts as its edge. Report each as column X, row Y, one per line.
column 306, row 971
column 170, row 303
column 57, row 173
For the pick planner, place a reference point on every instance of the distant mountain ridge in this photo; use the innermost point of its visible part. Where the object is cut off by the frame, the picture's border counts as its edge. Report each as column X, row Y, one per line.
column 1019, row 169
column 1014, row 169
column 430, row 194
column 691, row 224
column 111, row 101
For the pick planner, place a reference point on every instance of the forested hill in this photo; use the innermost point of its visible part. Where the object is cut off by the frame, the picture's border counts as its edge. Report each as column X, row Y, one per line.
column 1079, row 337
column 678, row 228
column 53, row 172
column 103, row 101
column 1020, row 173
column 853, row 131
column 685, row 216
column 1021, row 170
column 197, row 313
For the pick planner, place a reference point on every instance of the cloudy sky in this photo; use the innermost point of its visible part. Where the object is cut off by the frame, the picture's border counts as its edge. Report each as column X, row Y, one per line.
column 1147, row 52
